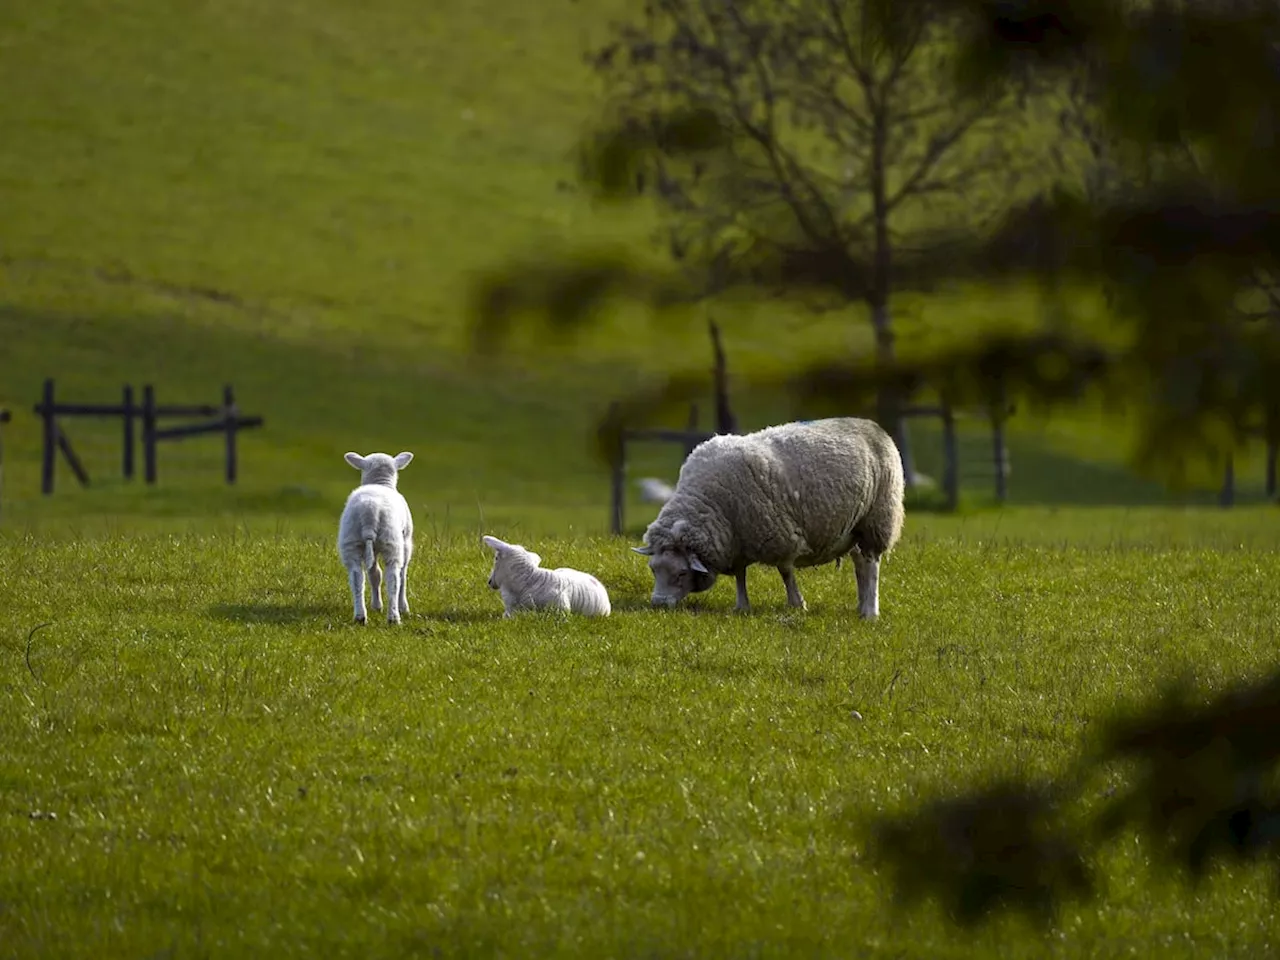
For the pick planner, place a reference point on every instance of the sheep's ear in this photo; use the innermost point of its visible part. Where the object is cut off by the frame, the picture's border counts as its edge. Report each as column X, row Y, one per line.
column 645, row 551
column 696, row 564
column 679, row 527
column 536, row 558
column 356, row 460
column 402, row 459
column 493, row 543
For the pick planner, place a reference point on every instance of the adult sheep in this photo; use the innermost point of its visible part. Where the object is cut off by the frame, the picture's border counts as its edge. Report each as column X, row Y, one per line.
column 791, row 496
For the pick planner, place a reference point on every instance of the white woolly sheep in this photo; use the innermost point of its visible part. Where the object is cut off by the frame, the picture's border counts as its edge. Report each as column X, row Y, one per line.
column 377, row 525
column 791, row 496
column 524, row 585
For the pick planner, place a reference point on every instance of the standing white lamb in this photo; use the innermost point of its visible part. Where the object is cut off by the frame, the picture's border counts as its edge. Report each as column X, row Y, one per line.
column 526, row 586
column 377, row 524
column 794, row 495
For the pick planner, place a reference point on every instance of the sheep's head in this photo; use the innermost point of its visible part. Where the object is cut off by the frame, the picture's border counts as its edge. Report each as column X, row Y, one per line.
column 505, row 556
column 379, row 467
column 677, row 571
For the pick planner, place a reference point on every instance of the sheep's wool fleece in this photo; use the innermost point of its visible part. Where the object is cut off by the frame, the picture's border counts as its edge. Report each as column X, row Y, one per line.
column 797, row 493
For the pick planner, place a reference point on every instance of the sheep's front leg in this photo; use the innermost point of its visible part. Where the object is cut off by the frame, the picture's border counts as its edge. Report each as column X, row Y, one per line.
column 867, row 569
column 357, row 592
column 394, row 573
column 794, row 599
column 375, row 586
column 744, row 604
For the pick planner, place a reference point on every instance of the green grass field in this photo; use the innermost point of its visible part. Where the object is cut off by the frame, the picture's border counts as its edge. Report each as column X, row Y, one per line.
column 202, row 757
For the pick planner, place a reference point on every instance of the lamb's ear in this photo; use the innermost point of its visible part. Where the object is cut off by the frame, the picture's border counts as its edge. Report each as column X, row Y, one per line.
column 493, row 543
column 356, row 460
column 402, row 459
column 696, row 564
column 535, row 557
column 645, row 551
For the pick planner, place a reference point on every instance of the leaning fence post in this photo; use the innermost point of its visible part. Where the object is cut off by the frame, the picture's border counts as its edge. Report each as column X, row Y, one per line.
column 49, row 453
column 127, row 404
column 232, row 422
column 149, row 432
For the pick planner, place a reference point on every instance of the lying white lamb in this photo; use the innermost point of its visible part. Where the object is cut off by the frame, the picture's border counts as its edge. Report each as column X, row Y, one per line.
column 524, row 585
column 794, row 495
column 377, row 524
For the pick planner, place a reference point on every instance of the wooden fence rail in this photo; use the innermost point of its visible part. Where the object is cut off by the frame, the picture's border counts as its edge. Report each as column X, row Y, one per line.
column 225, row 418
column 691, row 436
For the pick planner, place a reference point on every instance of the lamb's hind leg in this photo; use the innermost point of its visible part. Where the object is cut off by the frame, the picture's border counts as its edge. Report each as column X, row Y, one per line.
column 375, row 585
column 394, row 573
column 794, row 599
column 356, row 572
column 866, row 567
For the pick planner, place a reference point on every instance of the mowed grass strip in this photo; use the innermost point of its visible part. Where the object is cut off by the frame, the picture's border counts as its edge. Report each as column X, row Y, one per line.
column 202, row 754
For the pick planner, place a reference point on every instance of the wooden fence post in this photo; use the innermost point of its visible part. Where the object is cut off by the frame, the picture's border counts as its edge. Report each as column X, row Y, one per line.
column 617, row 476
column 691, row 426
column 50, row 451
column 951, row 458
column 149, row 432
column 1000, row 455
column 4, row 418
column 127, row 403
column 232, row 421
column 1271, row 467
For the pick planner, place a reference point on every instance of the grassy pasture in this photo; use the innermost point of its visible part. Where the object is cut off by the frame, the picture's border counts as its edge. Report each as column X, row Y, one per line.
column 295, row 197
column 204, row 757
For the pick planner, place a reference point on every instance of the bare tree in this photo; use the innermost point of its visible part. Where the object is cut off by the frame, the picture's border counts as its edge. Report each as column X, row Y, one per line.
column 848, row 147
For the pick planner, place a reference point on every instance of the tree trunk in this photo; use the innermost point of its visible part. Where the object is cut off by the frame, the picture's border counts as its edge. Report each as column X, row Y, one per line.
column 889, row 403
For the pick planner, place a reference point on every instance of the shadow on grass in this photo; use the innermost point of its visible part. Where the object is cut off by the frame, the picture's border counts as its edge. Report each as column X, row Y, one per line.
column 273, row 612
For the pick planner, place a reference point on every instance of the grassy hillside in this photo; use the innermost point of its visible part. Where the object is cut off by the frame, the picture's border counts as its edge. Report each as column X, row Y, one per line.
column 296, row 198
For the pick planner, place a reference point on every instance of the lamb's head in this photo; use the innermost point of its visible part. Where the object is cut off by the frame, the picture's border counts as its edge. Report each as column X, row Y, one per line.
column 677, row 571
column 379, row 467
column 508, row 557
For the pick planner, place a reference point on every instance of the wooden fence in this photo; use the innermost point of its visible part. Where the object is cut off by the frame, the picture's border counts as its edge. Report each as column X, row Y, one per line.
column 225, row 418
column 691, row 436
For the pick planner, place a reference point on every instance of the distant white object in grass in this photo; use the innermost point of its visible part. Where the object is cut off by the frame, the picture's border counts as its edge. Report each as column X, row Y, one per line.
column 524, row 585
column 377, row 525
column 653, row 490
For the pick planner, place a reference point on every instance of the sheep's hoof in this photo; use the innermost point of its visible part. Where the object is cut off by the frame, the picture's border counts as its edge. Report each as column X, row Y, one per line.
column 743, row 610
column 360, row 621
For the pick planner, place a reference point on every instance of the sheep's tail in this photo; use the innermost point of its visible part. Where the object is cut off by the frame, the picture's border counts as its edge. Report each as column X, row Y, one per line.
column 368, row 535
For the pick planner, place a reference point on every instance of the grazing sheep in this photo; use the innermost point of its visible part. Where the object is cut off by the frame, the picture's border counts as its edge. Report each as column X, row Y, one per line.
column 794, row 495
column 526, row 586
column 377, row 524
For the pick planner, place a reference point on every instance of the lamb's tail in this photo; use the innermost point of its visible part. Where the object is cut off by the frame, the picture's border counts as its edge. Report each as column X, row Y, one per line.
column 368, row 534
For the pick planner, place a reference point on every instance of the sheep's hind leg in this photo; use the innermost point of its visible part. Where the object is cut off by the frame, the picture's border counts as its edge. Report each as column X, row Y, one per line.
column 866, row 568
column 357, row 592
column 794, row 599
column 375, row 586
column 394, row 572
column 404, row 587
column 744, row 604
